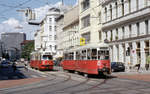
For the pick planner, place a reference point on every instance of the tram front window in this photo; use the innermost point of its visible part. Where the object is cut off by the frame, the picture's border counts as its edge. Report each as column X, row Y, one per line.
column 47, row 57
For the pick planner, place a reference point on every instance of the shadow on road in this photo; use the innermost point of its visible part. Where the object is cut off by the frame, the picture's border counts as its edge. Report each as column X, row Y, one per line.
column 7, row 73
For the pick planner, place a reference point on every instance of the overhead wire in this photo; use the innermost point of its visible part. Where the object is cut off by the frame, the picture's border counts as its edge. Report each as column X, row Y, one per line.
column 13, row 7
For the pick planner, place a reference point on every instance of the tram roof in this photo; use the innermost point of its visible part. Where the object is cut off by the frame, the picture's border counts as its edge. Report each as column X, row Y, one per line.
column 89, row 46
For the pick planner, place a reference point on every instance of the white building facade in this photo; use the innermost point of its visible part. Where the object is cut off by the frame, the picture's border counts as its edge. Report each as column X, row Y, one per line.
column 126, row 27
column 48, row 31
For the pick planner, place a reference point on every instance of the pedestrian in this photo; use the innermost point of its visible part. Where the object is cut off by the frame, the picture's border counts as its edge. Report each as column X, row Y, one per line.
column 26, row 65
column 147, row 62
column 138, row 64
column 14, row 67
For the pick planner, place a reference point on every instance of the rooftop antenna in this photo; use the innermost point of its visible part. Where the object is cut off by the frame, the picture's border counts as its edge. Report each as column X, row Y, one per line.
column 47, row 2
column 62, row 2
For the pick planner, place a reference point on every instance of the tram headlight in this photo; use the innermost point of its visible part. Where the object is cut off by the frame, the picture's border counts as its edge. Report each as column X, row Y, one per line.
column 98, row 63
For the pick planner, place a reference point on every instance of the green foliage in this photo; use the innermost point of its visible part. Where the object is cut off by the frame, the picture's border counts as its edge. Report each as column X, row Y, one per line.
column 27, row 49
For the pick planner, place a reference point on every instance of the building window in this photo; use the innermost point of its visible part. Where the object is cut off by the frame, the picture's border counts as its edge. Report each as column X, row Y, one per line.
column 99, row 15
column 50, row 46
column 137, row 4
column 105, row 14
column 87, row 37
column 55, row 37
column 110, row 12
column 116, row 6
column 50, row 28
column 111, row 37
column 85, row 4
column 138, row 29
column 146, row 26
column 50, row 20
column 130, row 30
column 123, row 34
column 100, row 35
column 117, row 34
column 85, row 21
column 50, row 37
column 129, row 5
column 145, row 3
column 122, row 5
column 55, row 47
column 55, row 28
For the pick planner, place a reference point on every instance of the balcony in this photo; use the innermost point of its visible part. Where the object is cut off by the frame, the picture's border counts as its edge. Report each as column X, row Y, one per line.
column 134, row 16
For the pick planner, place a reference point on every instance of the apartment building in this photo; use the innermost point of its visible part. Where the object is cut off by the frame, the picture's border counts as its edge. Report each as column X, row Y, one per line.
column 90, row 21
column 126, row 28
column 59, row 34
column 37, row 40
column 12, row 43
column 48, row 31
column 71, row 29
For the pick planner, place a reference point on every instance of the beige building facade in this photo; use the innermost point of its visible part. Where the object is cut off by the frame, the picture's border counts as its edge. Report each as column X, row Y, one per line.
column 71, row 34
column 90, row 21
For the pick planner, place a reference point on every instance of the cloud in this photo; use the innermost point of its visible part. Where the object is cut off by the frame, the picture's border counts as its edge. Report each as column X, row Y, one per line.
column 12, row 22
column 76, row 2
column 10, row 25
column 41, row 11
column 14, row 25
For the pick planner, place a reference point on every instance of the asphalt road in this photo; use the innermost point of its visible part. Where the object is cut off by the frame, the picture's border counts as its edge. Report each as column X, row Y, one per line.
column 7, row 73
column 59, row 82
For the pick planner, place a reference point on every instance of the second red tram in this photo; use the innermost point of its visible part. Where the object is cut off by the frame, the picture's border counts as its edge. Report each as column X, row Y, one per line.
column 88, row 61
column 41, row 61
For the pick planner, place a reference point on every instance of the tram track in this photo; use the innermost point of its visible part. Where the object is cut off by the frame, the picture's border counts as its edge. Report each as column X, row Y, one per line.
column 67, row 77
column 43, row 86
column 79, row 84
column 90, row 88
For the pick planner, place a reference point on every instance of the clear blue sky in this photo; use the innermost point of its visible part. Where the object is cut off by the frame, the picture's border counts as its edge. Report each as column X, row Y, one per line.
column 8, row 7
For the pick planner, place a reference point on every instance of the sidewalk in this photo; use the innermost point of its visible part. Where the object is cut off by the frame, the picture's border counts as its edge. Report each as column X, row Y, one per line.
column 142, row 75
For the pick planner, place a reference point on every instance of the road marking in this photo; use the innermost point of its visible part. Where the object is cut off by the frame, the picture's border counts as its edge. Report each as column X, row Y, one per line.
column 34, row 76
column 43, row 75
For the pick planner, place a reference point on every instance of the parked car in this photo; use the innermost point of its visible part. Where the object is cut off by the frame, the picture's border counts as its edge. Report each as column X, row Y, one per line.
column 117, row 67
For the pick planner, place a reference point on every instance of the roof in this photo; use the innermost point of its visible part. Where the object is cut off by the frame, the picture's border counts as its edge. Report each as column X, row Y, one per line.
column 26, row 41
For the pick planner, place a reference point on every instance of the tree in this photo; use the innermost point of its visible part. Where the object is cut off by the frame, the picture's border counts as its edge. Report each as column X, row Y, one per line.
column 27, row 49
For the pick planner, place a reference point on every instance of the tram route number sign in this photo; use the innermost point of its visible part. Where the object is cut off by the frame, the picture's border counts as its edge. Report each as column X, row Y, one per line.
column 82, row 41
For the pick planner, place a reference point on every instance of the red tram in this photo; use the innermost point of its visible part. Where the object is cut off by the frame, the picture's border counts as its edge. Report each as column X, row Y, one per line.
column 41, row 61
column 88, row 61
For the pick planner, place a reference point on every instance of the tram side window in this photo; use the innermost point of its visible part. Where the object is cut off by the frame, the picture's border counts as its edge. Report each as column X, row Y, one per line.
column 106, row 54
column 94, row 54
column 83, row 55
column 65, row 56
column 77, row 55
column 103, row 55
column 71, row 56
column 88, row 54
